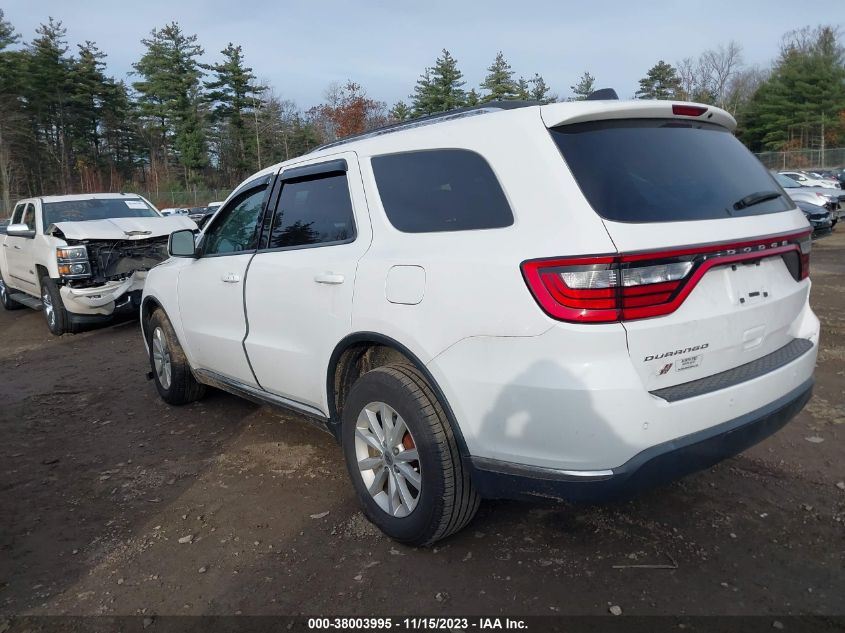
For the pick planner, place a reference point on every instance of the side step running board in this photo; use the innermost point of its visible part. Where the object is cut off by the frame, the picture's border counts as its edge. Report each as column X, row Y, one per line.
column 259, row 396
column 25, row 299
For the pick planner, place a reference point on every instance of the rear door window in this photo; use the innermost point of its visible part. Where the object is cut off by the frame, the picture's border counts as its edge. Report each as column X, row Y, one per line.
column 440, row 190
column 314, row 210
column 656, row 170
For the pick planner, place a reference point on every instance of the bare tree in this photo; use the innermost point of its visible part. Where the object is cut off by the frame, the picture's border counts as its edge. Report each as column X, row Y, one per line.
column 718, row 66
column 742, row 86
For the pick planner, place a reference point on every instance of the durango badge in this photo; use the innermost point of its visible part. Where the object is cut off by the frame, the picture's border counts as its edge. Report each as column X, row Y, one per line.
column 677, row 352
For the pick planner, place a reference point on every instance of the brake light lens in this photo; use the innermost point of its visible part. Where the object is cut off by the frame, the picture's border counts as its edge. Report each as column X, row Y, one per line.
column 688, row 110
column 609, row 288
column 806, row 245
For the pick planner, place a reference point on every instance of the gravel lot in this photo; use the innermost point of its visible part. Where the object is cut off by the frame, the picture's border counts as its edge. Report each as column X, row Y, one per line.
column 113, row 503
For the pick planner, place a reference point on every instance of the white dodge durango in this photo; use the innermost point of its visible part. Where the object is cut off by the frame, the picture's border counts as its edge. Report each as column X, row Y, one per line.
column 568, row 301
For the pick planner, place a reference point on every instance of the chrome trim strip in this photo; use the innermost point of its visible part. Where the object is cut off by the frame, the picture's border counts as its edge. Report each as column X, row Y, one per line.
column 213, row 379
column 539, row 472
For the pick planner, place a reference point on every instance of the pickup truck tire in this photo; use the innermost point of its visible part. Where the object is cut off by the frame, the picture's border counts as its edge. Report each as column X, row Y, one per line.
column 7, row 302
column 170, row 369
column 392, row 411
column 53, row 308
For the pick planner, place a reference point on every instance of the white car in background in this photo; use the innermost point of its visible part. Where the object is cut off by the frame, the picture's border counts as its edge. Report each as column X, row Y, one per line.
column 832, row 200
column 473, row 308
column 806, row 180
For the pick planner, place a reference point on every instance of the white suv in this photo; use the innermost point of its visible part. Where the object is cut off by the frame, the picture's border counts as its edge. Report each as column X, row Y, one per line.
column 573, row 301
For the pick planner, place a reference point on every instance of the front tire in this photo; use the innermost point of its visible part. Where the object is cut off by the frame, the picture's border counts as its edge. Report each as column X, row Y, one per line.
column 54, row 309
column 5, row 300
column 172, row 374
column 403, row 457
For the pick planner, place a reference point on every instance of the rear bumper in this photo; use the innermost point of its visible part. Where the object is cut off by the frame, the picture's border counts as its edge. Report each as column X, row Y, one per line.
column 654, row 466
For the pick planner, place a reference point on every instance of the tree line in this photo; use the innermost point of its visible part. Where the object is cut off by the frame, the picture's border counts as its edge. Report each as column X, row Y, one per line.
column 181, row 123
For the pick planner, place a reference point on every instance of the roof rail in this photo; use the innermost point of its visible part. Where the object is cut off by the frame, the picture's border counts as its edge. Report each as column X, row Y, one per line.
column 439, row 117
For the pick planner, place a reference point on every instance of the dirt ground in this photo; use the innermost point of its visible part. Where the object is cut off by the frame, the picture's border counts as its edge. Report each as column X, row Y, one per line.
column 113, row 503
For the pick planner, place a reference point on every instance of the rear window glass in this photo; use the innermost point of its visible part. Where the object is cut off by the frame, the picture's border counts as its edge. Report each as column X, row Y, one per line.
column 440, row 190
column 96, row 209
column 659, row 170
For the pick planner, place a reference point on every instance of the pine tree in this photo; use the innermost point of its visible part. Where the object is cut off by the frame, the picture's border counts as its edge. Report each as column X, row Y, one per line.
column 584, row 87
column 7, row 32
column 473, row 98
column 499, row 82
column 805, row 90
column 46, row 88
column 234, row 96
column 13, row 126
column 439, row 89
column 400, row 111
column 123, row 145
column 540, row 91
column 169, row 99
column 422, row 102
column 661, row 82
column 86, row 102
column 523, row 89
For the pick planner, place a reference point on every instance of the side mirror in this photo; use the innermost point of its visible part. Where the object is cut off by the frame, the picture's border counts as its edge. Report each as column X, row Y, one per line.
column 20, row 230
column 181, row 244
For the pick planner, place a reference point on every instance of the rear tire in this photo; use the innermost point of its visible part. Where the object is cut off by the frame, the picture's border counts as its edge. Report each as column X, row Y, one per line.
column 54, row 309
column 5, row 300
column 171, row 372
column 379, row 402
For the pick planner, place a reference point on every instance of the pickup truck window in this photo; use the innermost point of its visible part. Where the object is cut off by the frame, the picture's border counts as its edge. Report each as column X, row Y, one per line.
column 96, row 209
column 16, row 216
column 29, row 216
column 314, row 210
column 236, row 230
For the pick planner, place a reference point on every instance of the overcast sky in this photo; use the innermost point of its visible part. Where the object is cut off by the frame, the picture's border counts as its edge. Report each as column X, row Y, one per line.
column 301, row 47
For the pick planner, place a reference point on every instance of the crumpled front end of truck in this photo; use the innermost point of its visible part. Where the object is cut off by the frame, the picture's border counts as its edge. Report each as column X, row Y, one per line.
column 101, row 276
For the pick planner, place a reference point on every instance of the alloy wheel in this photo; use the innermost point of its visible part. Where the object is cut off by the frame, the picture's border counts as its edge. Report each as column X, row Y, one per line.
column 49, row 309
column 388, row 459
column 161, row 358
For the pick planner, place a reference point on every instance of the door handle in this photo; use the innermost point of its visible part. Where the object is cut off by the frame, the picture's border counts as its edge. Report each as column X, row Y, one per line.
column 329, row 278
column 231, row 278
column 17, row 248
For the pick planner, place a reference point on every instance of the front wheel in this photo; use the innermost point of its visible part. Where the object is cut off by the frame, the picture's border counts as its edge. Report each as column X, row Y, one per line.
column 171, row 372
column 53, row 307
column 403, row 458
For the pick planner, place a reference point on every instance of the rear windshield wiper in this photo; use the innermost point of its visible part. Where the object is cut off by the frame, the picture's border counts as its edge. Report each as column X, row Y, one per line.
column 756, row 198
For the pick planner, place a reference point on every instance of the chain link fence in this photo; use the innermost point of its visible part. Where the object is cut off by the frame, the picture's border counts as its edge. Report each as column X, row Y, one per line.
column 804, row 159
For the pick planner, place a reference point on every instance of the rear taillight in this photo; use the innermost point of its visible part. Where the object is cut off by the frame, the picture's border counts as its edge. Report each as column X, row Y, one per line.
column 805, row 244
column 624, row 287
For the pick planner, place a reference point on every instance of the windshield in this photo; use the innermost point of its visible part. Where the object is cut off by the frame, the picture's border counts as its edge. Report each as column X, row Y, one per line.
column 659, row 170
column 786, row 182
column 96, row 209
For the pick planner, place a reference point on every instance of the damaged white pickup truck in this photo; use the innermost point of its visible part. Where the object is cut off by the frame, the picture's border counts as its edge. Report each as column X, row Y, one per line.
column 82, row 259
